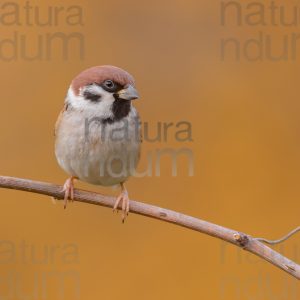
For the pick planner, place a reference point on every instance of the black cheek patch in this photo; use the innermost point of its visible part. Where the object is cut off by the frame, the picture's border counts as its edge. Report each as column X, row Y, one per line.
column 91, row 97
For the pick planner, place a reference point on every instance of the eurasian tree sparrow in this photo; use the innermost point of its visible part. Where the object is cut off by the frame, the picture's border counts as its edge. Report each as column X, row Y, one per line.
column 96, row 132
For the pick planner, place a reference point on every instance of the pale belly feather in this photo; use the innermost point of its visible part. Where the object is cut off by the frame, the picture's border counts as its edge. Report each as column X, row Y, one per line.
column 101, row 155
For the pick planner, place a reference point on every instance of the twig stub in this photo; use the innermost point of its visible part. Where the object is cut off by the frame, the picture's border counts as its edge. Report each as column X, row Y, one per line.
column 241, row 238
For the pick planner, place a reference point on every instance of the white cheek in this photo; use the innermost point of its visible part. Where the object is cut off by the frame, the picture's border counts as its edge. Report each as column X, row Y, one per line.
column 102, row 109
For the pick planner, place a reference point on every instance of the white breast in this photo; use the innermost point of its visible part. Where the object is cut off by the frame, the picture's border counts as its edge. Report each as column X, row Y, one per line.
column 97, row 153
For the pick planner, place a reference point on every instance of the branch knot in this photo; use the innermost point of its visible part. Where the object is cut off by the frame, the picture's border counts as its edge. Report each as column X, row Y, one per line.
column 242, row 239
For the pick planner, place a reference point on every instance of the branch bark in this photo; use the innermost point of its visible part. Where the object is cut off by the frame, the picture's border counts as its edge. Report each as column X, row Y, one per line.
column 237, row 238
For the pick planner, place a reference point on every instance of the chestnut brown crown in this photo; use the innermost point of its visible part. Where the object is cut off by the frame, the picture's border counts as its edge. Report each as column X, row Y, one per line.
column 99, row 74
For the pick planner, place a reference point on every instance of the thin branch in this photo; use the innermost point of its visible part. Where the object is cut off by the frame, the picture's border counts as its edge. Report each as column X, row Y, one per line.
column 237, row 238
column 283, row 239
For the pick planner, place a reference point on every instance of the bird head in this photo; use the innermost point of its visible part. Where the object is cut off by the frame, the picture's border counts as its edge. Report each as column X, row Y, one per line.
column 105, row 91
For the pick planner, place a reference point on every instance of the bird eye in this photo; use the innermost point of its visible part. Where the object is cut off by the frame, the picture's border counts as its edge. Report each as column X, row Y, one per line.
column 109, row 84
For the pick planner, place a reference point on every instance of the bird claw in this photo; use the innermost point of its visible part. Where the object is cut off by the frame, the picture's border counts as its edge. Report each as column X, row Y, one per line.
column 68, row 189
column 124, row 200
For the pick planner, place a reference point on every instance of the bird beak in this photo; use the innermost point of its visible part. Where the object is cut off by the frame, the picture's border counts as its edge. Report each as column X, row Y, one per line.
column 128, row 93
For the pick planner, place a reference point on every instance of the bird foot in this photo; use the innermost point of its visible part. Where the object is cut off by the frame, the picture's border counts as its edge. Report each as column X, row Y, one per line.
column 124, row 199
column 68, row 189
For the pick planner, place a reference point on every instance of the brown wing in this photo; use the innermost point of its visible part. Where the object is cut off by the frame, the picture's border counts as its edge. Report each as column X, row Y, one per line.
column 141, row 141
column 58, row 121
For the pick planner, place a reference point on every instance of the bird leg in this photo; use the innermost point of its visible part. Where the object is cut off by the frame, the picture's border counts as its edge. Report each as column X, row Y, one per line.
column 124, row 199
column 68, row 189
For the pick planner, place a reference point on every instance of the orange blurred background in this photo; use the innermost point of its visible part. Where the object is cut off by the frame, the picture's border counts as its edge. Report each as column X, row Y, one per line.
column 245, row 130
